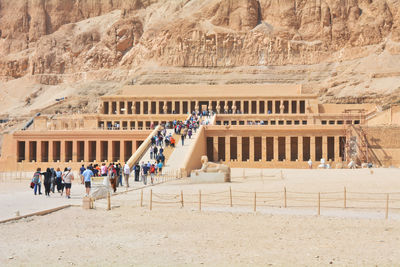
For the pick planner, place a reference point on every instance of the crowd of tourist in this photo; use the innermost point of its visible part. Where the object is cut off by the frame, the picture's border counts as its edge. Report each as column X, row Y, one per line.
column 56, row 179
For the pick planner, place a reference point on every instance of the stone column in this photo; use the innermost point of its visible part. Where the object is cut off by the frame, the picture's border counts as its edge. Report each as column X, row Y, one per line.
column 149, row 107
column 86, row 151
column 273, row 106
column 227, row 148
column 126, row 107
column 51, row 151
column 287, row 148
column 298, row 106
column 241, row 106
column 258, row 106
column 325, row 148
column 266, row 106
column 263, row 148
column 109, row 107
column 110, row 151
column 62, row 151
column 215, row 148
column 196, row 106
column 98, row 150
column 27, row 150
column 122, row 151
column 239, row 148
column 276, row 149
column 39, row 151
column 74, row 151
column 300, row 148
column 181, row 107
column 337, row 148
column 141, row 107
column 136, row 125
column 312, row 148
column 251, row 149
column 173, row 106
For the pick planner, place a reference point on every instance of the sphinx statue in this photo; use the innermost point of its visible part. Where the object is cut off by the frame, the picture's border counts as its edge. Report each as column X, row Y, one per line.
column 210, row 167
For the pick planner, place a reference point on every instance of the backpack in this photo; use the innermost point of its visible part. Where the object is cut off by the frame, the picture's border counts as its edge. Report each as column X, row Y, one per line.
column 36, row 178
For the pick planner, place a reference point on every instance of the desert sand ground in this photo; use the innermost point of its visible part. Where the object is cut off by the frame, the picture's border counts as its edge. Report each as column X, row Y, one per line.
column 218, row 235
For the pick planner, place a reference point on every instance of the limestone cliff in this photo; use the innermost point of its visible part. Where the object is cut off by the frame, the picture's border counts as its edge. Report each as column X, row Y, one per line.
column 348, row 50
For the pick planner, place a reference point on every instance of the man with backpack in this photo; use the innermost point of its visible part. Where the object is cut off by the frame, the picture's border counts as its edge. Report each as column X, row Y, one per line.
column 145, row 169
column 152, row 172
column 36, row 181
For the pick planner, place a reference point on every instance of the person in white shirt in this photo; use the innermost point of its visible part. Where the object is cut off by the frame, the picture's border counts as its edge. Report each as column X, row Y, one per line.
column 127, row 172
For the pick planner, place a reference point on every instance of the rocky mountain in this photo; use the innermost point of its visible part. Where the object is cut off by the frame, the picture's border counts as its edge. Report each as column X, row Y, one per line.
column 345, row 50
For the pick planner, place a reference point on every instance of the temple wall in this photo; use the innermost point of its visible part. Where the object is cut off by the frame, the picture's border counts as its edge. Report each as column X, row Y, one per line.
column 384, row 145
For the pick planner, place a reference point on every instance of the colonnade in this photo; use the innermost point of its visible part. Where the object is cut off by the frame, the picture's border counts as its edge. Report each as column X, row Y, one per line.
column 275, row 148
column 256, row 106
column 76, row 150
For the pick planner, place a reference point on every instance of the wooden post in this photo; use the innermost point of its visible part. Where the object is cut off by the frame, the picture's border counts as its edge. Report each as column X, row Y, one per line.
column 345, row 198
column 230, row 195
column 284, row 197
column 151, row 199
column 255, row 201
column 141, row 198
column 182, row 198
column 387, row 207
column 199, row 200
column 108, row 201
column 319, row 204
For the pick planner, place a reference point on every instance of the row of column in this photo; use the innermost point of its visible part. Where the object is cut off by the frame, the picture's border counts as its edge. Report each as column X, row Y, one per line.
column 219, row 106
column 76, row 151
column 311, row 149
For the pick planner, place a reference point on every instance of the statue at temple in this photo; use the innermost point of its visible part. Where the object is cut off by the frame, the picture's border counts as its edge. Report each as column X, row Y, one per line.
column 226, row 109
column 234, row 109
column 214, row 167
column 282, row 108
column 218, row 108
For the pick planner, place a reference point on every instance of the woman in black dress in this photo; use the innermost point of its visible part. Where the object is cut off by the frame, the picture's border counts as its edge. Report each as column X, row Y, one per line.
column 47, row 181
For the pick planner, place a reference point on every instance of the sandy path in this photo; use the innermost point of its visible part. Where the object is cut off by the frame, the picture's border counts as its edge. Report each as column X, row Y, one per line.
column 174, row 237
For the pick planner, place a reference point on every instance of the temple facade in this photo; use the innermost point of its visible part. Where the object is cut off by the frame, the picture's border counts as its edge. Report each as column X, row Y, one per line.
column 260, row 126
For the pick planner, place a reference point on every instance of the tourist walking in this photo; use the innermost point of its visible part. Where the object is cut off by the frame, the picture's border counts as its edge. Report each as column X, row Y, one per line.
column 87, row 179
column 183, row 139
column 144, row 173
column 59, row 182
column 112, row 175
column 68, row 177
column 36, row 181
column 137, row 171
column 81, row 170
column 118, row 169
column 103, row 169
column 53, row 180
column 152, row 172
column 47, row 181
column 127, row 171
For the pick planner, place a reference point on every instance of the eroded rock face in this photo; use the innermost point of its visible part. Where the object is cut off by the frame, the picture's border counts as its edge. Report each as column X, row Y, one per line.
column 56, row 40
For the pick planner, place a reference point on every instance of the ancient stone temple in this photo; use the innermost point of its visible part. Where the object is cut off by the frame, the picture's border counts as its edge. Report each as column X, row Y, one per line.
column 268, row 126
